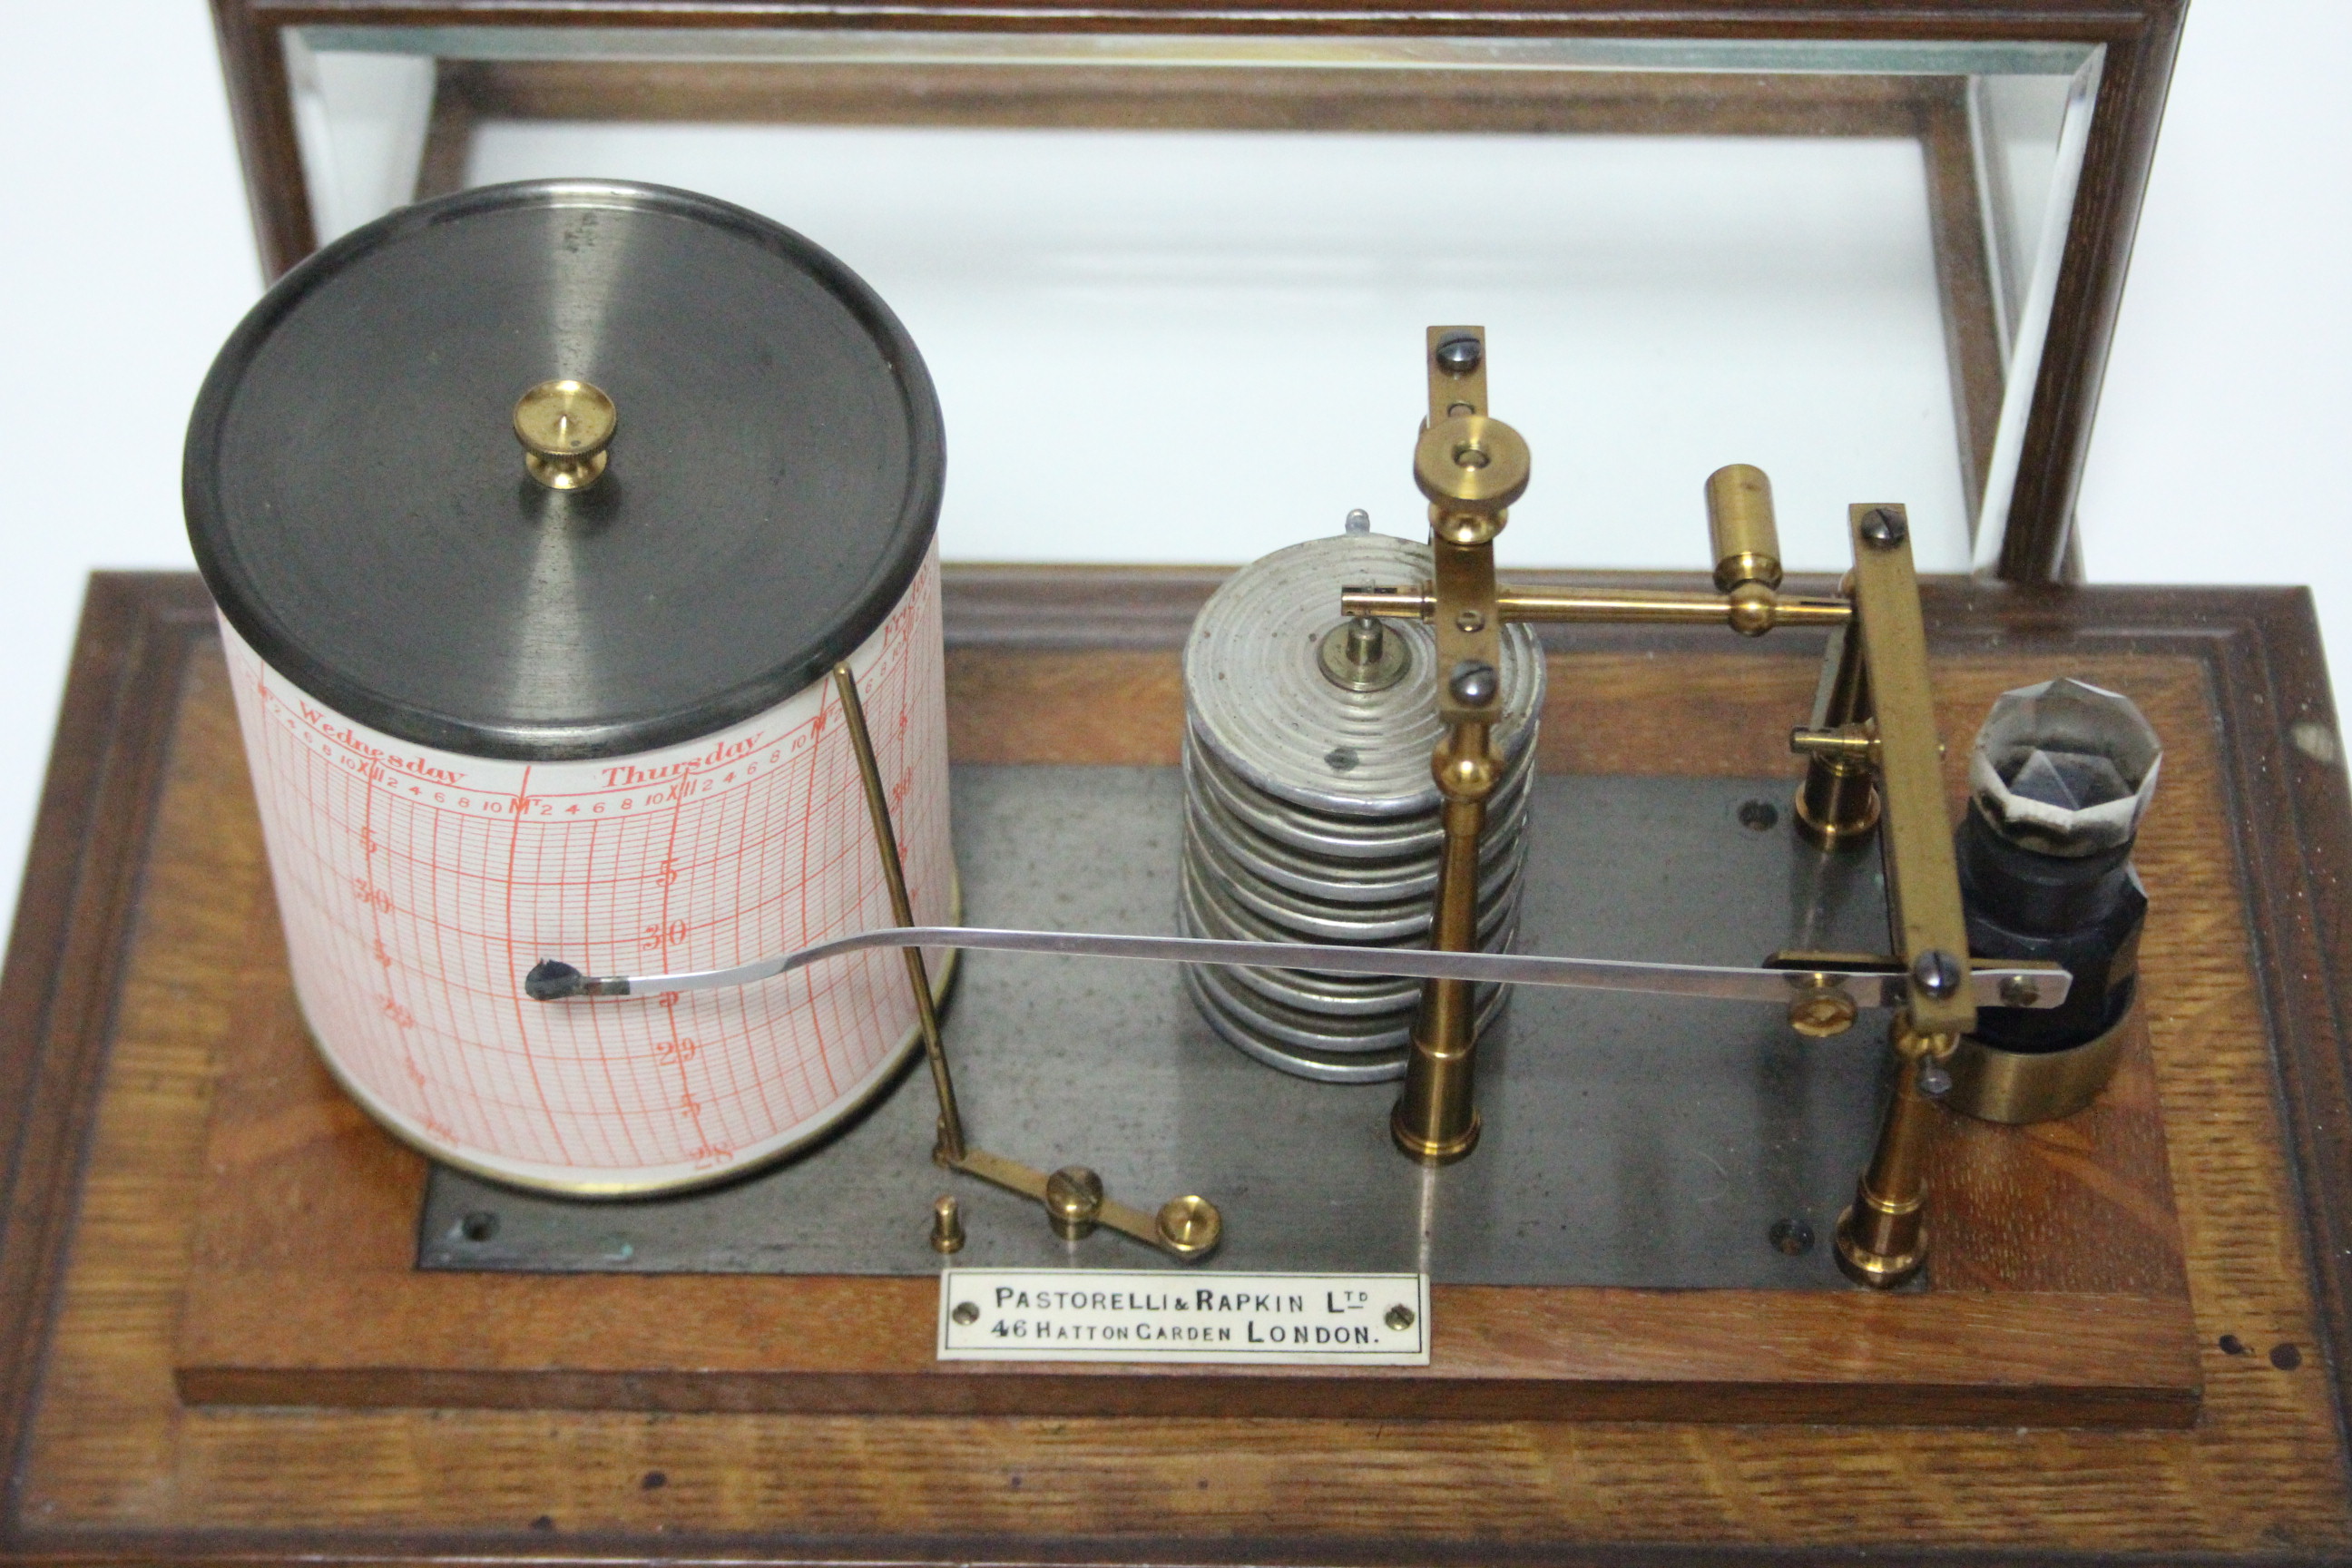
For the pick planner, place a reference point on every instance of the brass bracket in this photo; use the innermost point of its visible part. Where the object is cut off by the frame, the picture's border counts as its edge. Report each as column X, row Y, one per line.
column 1187, row 1229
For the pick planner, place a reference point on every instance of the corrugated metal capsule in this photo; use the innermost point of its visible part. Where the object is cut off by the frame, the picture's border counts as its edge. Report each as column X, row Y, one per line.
column 1310, row 814
column 536, row 517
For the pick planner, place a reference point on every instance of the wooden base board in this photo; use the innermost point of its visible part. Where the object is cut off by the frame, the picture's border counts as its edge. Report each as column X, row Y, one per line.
column 2059, row 1295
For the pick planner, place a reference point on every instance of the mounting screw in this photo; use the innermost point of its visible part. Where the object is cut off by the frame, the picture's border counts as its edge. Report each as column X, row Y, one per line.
column 1459, row 353
column 1791, row 1238
column 1938, row 973
column 1883, row 528
column 1399, row 1317
column 2021, row 991
column 966, row 1312
column 1474, row 684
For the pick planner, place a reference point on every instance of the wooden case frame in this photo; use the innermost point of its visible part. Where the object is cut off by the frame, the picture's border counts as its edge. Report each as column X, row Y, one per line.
column 2140, row 37
column 116, row 954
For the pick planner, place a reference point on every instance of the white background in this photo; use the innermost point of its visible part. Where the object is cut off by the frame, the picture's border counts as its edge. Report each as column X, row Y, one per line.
column 126, row 257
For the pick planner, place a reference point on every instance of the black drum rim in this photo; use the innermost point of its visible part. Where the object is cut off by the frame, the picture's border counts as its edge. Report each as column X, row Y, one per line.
column 910, row 533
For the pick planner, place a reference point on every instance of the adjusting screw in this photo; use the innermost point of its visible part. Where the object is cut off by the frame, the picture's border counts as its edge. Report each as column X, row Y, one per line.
column 1938, row 973
column 1460, row 354
column 1474, row 684
column 1883, row 528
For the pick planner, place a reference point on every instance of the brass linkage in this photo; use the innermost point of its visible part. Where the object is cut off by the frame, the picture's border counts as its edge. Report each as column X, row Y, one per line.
column 1871, row 749
column 1187, row 1228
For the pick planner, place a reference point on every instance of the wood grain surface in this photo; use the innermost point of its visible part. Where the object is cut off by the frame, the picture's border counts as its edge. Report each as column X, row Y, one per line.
column 2068, row 1307
column 2245, row 856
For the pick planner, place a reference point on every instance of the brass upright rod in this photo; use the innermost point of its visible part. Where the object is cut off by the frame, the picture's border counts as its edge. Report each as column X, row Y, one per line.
column 1472, row 468
column 950, row 1151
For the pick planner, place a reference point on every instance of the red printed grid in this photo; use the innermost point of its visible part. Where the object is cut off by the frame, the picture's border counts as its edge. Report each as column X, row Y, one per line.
column 418, row 887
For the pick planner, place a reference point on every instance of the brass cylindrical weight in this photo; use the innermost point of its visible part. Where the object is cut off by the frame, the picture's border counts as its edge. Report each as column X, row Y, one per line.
column 1740, row 520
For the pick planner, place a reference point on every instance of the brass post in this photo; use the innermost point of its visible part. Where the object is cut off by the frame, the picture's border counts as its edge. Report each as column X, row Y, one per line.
column 950, row 1148
column 1472, row 468
column 1882, row 1239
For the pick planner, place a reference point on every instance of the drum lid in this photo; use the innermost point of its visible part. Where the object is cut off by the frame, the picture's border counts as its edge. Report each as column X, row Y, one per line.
column 358, row 504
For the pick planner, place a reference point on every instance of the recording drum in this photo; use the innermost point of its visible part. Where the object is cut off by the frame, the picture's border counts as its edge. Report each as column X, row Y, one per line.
column 537, row 518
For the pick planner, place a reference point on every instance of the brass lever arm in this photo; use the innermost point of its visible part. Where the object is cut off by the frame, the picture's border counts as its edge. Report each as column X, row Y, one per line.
column 1752, row 607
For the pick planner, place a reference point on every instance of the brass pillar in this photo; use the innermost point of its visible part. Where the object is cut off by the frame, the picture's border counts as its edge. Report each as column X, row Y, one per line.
column 1882, row 1239
column 1435, row 1119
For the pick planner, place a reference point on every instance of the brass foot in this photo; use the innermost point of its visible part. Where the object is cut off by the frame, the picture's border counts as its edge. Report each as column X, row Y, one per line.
column 1902, row 1256
column 1443, row 1152
column 1836, row 833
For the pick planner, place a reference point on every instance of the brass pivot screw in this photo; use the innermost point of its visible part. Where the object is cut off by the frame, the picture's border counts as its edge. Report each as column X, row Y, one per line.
column 564, row 427
column 947, row 1226
column 1189, row 1226
column 1882, row 1239
column 1074, row 1201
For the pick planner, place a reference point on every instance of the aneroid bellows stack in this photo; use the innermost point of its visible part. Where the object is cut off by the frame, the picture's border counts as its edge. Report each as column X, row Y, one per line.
column 1310, row 812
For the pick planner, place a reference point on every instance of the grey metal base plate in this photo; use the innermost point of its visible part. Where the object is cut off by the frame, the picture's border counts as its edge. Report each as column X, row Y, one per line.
column 1628, row 1141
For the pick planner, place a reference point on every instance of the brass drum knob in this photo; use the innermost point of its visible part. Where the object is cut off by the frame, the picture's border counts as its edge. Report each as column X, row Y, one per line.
column 1471, row 463
column 564, row 427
